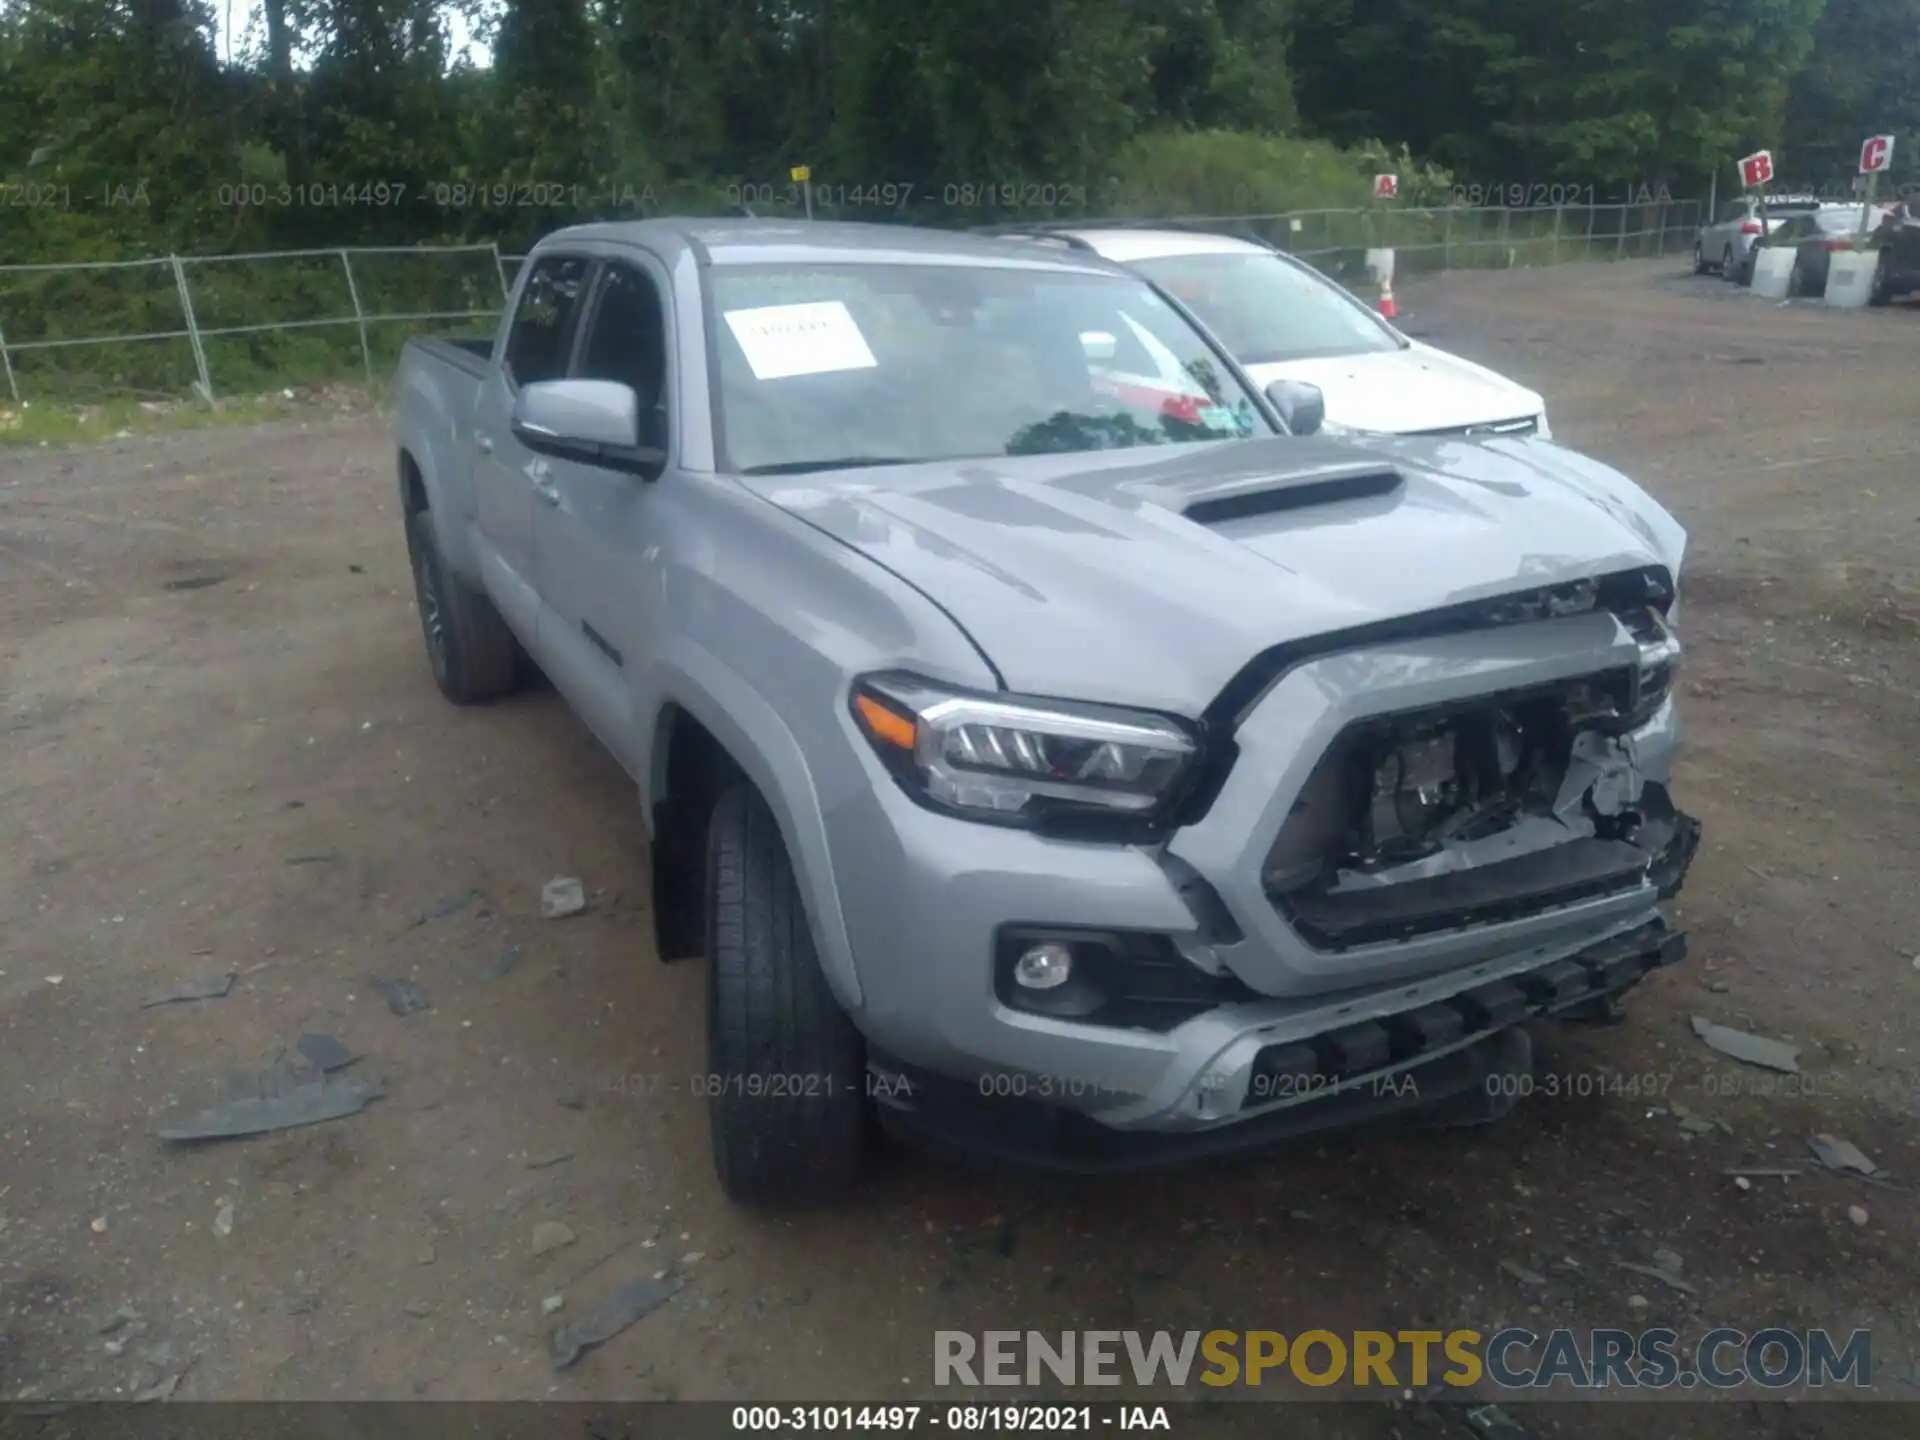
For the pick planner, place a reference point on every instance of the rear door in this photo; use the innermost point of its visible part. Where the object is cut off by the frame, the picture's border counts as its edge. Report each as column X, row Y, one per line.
column 598, row 536
column 507, row 477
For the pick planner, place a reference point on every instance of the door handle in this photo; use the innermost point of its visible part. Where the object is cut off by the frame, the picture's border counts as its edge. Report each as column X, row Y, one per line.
column 484, row 443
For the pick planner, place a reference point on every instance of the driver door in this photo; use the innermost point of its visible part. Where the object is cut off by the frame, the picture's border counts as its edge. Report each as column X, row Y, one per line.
column 597, row 533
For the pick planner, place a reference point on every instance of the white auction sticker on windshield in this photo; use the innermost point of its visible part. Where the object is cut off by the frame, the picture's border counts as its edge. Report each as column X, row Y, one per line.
column 813, row 339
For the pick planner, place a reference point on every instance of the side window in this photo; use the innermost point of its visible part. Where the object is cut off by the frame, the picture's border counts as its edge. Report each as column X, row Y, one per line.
column 543, row 325
column 627, row 342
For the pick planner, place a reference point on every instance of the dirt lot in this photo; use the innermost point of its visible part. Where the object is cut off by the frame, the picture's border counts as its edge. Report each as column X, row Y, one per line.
column 221, row 751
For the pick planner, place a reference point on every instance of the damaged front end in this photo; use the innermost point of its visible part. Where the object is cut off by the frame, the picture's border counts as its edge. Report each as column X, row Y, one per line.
column 1487, row 810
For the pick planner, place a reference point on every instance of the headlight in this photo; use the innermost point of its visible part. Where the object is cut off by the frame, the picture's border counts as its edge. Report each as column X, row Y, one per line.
column 1012, row 759
column 1659, row 659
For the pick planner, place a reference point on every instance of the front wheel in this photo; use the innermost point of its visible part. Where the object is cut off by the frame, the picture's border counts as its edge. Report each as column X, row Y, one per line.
column 786, row 1069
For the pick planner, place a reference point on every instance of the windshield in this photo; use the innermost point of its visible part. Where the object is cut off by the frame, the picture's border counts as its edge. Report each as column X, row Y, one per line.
column 878, row 364
column 1265, row 309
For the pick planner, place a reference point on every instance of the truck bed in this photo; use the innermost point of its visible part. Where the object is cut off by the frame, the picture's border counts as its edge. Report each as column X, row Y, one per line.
column 470, row 353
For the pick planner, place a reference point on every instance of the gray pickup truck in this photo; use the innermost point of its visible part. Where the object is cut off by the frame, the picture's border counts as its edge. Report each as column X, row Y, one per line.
column 1055, row 750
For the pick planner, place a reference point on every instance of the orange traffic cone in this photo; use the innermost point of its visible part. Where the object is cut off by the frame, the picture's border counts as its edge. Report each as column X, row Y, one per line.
column 1387, row 307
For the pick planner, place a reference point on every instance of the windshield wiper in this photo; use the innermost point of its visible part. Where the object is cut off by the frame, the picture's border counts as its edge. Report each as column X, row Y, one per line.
column 844, row 462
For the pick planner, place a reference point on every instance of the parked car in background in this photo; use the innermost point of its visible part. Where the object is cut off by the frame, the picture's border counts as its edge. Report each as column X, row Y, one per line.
column 1897, row 272
column 1725, row 242
column 1813, row 238
column 1283, row 320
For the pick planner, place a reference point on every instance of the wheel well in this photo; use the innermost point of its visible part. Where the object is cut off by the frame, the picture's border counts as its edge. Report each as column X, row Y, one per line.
column 413, row 489
column 691, row 769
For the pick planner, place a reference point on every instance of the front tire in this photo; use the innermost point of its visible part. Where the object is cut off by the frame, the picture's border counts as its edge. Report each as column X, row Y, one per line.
column 473, row 654
column 786, row 1069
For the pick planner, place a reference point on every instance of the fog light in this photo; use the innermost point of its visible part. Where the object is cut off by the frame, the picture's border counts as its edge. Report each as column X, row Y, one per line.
column 1044, row 967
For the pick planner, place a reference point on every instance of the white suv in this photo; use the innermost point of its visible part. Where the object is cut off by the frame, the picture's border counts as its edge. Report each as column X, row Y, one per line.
column 1284, row 320
column 1725, row 243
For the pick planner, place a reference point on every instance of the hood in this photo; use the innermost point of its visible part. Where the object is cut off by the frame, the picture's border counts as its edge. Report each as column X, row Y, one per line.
column 1398, row 392
column 1095, row 577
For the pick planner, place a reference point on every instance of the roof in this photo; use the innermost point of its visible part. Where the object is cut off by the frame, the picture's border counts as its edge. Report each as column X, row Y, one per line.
column 743, row 241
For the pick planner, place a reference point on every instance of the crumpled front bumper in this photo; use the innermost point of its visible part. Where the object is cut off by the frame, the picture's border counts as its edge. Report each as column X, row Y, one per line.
column 1464, row 1048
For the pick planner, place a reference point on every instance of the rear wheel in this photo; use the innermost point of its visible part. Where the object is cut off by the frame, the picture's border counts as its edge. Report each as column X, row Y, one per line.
column 786, row 1069
column 473, row 653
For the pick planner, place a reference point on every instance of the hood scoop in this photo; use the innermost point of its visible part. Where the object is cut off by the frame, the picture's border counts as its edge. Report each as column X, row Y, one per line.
column 1247, row 497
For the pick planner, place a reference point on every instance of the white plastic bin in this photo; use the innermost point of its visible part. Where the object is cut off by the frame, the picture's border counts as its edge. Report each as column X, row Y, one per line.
column 1771, row 266
column 1850, row 278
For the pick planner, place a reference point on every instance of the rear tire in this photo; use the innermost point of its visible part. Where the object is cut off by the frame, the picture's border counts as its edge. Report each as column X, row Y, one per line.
column 786, row 1069
column 473, row 654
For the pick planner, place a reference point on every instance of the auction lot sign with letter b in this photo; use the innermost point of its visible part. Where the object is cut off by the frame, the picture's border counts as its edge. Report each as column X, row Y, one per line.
column 1876, row 154
column 1757, row 169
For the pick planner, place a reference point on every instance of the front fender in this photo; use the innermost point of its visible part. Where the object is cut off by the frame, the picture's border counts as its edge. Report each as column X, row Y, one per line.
column 760, row 742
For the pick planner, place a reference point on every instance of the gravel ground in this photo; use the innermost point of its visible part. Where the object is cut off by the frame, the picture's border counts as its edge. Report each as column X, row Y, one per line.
column 221, row 752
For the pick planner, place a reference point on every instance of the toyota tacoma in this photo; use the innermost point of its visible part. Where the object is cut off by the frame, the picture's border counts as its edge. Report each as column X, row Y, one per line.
column 1053, row 749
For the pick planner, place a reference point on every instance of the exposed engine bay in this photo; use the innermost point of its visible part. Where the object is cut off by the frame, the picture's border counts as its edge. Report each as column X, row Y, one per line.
column 1484, row 810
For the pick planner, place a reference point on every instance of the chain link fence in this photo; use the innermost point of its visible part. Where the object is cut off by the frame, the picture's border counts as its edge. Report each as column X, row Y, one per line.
column 202, row 324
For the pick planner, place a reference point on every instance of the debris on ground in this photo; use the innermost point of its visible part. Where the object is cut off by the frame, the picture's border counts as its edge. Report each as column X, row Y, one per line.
column 418, row 1309
column 324, row 1052
column 223, row 1218
column 403, row 997
column 98, row 1224
column 629, row 1304
column 1837, row 1154
column 291, row 1108
column 551, row 1305
column 1857, row 1214
column 1638, row 1302
column 452, row 905
column 502, row 965
column 1766, row 1172
column 1522, row 1274
column 562, row 896
column 1752, row 1049
column 1666, row 1269
column 548, row 1161
column 1697, row 1125
column 427, row 1255
column 1494, row 1423
column 1740, row 1182
column 550, row 1235
column 572, row 1100
column 210, row 987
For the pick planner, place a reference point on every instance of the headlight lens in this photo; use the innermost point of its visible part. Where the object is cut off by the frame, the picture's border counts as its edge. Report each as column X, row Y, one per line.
column 1014, row 759
column 1659, row 659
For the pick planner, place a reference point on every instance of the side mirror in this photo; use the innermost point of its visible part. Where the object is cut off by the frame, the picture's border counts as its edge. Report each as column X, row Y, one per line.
column 594, row 421
column 1302, row 406
column 1099, row 346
